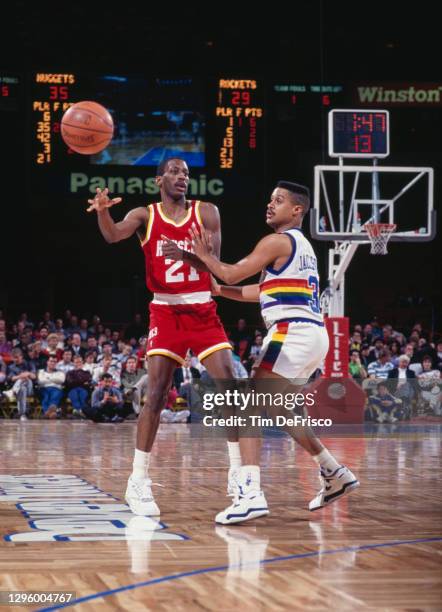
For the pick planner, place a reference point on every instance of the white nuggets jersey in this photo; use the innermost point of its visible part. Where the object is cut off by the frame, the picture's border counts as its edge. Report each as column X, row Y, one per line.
column 292, row 292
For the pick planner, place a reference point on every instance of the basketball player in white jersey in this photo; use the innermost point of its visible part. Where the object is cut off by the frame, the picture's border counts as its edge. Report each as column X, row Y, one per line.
column 296, row 342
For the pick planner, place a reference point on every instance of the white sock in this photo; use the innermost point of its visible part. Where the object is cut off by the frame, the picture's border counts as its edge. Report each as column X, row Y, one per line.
column 250, row 475
column 327, row 462
column 140, row 465
column 234, row 454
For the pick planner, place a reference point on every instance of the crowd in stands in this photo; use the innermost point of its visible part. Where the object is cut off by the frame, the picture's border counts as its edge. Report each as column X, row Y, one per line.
column 400, row 370
column 70, row 366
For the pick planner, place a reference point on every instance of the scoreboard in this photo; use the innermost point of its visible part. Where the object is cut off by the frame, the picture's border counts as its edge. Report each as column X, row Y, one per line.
column 239, row 114
column 51, row 98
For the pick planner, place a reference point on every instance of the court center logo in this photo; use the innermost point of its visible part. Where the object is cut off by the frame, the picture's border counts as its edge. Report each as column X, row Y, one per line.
column 66, row 508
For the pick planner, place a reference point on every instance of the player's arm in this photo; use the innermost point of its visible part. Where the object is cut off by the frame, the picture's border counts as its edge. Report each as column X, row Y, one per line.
column 114, row 232
column 211, row 222
column 244, row 293
column 266, row 252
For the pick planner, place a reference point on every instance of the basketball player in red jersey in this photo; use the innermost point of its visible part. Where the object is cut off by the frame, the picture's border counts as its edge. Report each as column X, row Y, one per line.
column 182, row 312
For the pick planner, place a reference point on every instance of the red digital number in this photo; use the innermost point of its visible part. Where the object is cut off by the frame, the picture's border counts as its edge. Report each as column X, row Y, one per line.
column 325, row 100
column 5, row 91
column 367, row 120
column 56, row 127
column 381, row 117
column 293, row 99
column 240, row 98
column 363, row 143
column 58, row 92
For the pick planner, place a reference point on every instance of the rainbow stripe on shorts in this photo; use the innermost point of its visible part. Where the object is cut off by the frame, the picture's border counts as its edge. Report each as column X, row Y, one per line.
column 275, row 346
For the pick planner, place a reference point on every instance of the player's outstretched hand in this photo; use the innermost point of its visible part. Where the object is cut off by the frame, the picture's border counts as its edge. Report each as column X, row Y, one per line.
column 201, row 241
column 170, row 249
column 102, row 200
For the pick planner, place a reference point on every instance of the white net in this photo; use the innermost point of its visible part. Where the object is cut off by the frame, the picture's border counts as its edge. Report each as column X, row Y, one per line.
column 379, row 234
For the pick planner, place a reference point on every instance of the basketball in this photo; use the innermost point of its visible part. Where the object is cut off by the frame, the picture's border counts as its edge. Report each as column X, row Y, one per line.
column 87, row 127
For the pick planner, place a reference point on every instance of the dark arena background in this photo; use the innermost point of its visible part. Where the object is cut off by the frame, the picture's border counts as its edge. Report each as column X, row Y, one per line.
column 243, row 96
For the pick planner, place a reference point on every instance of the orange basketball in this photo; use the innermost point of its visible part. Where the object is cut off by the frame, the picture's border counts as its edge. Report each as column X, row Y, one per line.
column 87, row 127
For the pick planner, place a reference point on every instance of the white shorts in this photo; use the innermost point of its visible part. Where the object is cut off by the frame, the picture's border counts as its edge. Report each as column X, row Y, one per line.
column 293, row 349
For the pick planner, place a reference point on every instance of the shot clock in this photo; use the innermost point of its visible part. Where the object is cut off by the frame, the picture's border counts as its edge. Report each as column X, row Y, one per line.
column 358, row 133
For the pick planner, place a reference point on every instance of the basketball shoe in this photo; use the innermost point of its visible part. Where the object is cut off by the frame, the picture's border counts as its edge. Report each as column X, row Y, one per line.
column 334, row 485
column 139, row 497
column 248, row 500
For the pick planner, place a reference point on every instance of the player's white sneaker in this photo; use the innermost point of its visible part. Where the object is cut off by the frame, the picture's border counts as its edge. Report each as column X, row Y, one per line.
column 139, row 497
column 334, row 485
column 232, row 482
column 245, row 507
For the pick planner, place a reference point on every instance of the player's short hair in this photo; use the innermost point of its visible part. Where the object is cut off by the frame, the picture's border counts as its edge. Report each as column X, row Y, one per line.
column 162, row 165
column 300, row 192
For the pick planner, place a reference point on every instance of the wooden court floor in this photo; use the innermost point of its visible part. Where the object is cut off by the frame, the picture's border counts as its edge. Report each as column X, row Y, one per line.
column 64, row 525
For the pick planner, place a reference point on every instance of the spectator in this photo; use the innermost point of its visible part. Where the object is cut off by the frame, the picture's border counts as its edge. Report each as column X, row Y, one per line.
column 439, row 355
column 380, row 368
column 134, row 383
column 402, row 383
column 47, row 322
column 75, row 345
column 124, row 351
column 107, row 402
column 240, row 337
column 73, row 326
column 384, row 406
column 356, row 341
column 355, row 367
column 430, row 383
column 78, row 384
column 84, row 330
column 93, row 331
column 108, row 366
column 51, row 382
column 36, row 357
column 89, row 364
column 20, row 375
column 395, row 351
column 5, row 346
column 59, row 327
column 92, row 345
column 43, row 337
column 23, row 318
column 254, row 351
column 375, row 328
column 186, row 379
column 115, row 338
column 107, row 351
column 66, row 362
column 52, row 348
column 425, row 349
column 366, row 356
column 367, row 334
column 376, row 349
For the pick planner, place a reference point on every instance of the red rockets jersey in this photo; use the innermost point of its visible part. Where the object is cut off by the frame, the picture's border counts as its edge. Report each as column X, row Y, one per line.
column 167, row 276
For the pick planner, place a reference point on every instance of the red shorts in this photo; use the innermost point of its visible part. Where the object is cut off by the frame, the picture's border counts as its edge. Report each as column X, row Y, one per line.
column 175, row 329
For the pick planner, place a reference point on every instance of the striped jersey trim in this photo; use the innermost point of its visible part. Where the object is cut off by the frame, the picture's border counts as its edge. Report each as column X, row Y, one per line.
column 198, row 213
column 300, row 320
column 151, row 210
column 167, row 219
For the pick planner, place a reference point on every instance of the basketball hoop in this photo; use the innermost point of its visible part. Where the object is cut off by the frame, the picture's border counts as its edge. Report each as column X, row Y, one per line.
column 379, row 234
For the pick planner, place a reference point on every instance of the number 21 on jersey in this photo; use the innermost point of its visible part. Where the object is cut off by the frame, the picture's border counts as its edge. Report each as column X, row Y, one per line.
column 174, row 275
